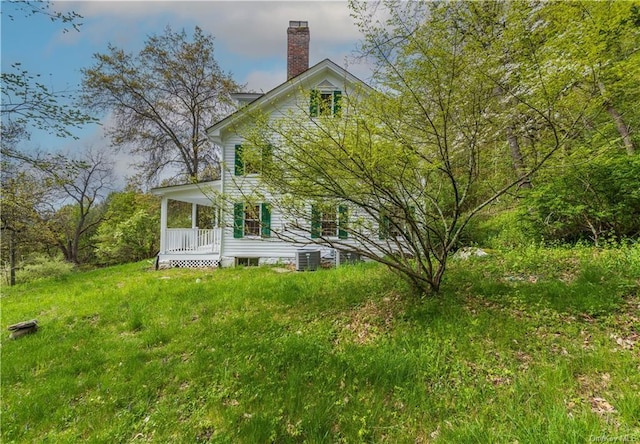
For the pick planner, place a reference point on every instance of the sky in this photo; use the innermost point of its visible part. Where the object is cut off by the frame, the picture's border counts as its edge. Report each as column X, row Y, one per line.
column 250, row 43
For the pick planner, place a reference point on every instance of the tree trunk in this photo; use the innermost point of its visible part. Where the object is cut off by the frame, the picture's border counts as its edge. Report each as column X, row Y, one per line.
column 12, row 259
column 73, row 250
column 623, row 129
column 517, row 159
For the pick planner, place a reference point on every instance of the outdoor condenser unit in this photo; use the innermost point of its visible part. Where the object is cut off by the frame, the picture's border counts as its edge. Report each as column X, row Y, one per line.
column 347, row 257
column 307, row 260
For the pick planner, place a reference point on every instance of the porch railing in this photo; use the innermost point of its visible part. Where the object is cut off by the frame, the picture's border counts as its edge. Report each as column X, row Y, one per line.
column 179, row 240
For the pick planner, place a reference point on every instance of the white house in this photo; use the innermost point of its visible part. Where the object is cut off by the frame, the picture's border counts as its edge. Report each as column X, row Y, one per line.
column 243, row 233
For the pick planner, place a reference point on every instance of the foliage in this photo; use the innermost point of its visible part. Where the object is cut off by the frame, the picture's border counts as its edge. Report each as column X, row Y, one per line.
column 31, row 183
column 30, row 8
column 504, row 228
column 52, row 201
column 79, row 188
column 27, row 102
column 25, row 205
column 531, row 345
column 597, row 46
column 162, row 100
column 129, row 231
column 595, row 200
column 40, row 266
column 427, row 151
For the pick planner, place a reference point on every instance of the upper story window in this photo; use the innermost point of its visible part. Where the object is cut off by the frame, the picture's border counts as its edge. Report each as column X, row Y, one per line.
column 324, row 103
column 250, row 159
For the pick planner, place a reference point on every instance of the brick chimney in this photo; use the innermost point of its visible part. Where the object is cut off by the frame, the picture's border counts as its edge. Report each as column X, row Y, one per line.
column 297, row 48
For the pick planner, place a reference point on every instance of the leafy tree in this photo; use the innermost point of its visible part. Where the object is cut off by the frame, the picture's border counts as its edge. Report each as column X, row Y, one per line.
column 408, row 167
column 129, row 231
column 594, row 200
column 83, row 186
column 597, row 45
column 24, row 202
column 31, row 182
column 162, row 100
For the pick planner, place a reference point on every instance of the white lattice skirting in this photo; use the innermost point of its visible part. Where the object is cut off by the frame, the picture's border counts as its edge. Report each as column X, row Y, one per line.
column 194, row 263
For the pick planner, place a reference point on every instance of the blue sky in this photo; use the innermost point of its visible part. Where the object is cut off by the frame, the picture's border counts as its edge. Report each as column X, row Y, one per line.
column 250, row 42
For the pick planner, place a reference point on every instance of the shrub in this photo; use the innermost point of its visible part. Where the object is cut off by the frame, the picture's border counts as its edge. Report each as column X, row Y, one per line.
column 43, row 267
column 594, row 201
column 502, row 230
column 130, row 230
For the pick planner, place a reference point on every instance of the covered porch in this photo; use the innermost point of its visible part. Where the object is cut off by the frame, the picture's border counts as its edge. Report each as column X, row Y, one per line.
column 190, row 246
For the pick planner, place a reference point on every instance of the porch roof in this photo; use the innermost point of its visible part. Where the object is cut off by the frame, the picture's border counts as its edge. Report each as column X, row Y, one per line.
column 198, row 193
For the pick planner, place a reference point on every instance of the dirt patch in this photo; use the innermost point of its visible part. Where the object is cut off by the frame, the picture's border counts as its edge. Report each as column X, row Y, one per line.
column 366, row 323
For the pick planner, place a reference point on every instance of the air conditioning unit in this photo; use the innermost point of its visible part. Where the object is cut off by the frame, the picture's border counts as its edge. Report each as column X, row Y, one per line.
column 307, row 260
column 347, row 257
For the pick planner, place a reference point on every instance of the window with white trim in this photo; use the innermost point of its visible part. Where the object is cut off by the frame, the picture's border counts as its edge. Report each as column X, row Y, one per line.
column 325, row 103
column 251, row 220
column 329, row 221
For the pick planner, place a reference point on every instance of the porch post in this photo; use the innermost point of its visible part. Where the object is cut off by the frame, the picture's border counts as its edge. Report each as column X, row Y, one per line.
column 164, row 205
column 194, row 215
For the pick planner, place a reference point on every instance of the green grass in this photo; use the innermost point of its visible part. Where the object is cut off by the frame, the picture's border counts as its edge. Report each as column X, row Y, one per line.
column 528, row 346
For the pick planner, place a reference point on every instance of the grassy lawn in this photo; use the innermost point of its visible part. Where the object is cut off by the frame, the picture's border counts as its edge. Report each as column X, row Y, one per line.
column 528, row 346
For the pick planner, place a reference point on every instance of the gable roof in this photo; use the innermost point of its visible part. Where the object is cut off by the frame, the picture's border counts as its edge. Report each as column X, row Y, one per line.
column 281, row 90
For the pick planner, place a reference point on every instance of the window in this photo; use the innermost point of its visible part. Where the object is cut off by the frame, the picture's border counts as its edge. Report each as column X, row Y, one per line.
column 325, row 103
column 328, row 221
column 392, row 223
column 251, row 220
column 251, row 159
column 247, row 261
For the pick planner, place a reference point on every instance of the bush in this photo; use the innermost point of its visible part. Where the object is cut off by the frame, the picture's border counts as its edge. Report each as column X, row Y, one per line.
column 43, row 267
column 503, row 230
column 594, row 201
column 130, row 230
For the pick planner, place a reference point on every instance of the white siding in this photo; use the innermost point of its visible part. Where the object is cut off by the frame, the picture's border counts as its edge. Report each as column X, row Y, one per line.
column 236, row 187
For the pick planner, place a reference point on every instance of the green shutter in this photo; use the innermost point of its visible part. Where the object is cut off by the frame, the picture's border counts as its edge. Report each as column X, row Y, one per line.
column 315, row 222
column 343, row 216
column 239, row 163
column 238, row 220
column 314, row 103
column 265, row 219
column 384, row 226
column 337, row 99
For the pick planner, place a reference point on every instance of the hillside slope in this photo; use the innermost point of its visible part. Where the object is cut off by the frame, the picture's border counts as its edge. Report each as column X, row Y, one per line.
column 529, row 346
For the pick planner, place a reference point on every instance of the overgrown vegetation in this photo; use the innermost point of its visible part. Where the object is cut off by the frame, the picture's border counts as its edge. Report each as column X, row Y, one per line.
column 529, row 345
column 471, row 102
column 594, row 201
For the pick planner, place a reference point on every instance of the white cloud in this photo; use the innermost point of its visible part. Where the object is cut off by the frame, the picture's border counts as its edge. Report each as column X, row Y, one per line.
column 264, row 81
column 247, row 28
